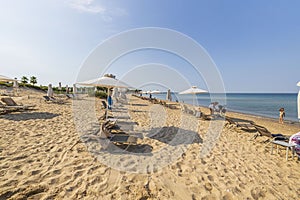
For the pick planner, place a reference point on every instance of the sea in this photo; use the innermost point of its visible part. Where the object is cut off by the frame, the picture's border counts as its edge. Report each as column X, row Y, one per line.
column 259, row 104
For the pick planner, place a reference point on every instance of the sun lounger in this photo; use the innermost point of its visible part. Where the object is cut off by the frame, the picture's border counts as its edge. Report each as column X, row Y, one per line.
column 6, row 109
column 53, row 100
column 11, row 104
column 185, row 109
column 242, row 124
column 117, row 137
column 110, row 124
column 262, row 131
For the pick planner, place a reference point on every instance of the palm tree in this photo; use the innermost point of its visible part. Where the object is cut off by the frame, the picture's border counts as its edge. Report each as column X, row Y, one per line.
column 33, row 80
column 24, row 79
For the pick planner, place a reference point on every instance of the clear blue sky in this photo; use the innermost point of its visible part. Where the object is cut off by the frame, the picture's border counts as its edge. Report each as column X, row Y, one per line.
column 255, row 44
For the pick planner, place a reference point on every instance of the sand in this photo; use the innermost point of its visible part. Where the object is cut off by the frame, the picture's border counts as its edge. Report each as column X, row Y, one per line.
column 42, row 156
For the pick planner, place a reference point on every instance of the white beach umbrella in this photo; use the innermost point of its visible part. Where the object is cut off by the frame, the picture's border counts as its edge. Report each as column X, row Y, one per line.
column 105, row 82
column 299, row 101
column 193, row 90
column 169, row 96
column 5, row 78
column 50, row 91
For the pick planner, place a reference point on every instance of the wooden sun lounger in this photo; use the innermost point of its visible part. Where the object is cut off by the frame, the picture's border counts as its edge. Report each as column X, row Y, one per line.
column 118, row 138
column 262, row 131
column 11, row 104
column 53, row 100
column 243, row 124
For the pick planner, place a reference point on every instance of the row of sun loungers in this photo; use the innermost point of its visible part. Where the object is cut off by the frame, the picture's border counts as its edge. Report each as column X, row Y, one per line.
column 258, row 130
column 164, row 103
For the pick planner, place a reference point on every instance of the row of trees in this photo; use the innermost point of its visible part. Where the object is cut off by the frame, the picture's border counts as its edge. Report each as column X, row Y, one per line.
column 33, row 80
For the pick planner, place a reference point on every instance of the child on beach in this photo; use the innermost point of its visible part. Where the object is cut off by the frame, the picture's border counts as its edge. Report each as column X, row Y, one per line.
column 281, row 115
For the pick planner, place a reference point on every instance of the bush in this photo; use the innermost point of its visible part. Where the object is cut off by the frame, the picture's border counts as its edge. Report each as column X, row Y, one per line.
column 6, row 84
column 101, row 95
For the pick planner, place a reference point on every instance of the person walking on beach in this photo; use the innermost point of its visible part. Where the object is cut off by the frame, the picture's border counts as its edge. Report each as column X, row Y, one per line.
column 281, row 115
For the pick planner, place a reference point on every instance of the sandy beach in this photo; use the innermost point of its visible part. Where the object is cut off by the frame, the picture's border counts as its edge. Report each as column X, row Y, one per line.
column 42, row 156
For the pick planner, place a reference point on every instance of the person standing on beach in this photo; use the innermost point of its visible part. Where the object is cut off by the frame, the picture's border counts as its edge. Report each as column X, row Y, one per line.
column 212, row 108
column 109, row 101
column 281, row 115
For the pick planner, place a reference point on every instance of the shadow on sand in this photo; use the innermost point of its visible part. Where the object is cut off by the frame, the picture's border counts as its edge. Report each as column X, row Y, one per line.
column 28, row 116
column 139, row 104
column 174, row 136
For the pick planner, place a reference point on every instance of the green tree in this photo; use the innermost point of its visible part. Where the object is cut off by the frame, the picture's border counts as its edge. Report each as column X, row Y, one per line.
column 24, row 79
column 33, row 80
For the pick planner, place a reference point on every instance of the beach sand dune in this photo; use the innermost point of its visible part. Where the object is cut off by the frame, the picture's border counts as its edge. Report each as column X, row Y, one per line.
column 42, row 156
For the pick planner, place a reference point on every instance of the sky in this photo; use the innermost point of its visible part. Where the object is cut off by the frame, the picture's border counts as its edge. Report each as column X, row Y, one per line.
column 254, row 44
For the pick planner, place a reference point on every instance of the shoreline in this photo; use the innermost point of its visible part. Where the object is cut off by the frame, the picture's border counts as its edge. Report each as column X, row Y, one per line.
column 260, row 104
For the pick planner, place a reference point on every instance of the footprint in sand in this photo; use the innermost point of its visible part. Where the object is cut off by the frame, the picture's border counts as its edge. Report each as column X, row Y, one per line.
column 208, row 186
column 258, row 192
column 211, row 178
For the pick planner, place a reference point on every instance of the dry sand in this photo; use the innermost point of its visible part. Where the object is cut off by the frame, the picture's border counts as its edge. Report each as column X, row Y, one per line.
column 42, row 158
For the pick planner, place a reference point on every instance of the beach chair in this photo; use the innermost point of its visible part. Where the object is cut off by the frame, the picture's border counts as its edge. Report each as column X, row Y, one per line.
column 262, row 131
column 245, row 125
column 73, row 96
column 53, row 100
column 110, row 124
column 185, row 109
column 11, row 104
column 6, row 109
column 117, row 137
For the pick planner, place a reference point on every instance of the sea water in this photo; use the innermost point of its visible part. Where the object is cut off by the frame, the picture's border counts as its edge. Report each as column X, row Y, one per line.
column 259, row 104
